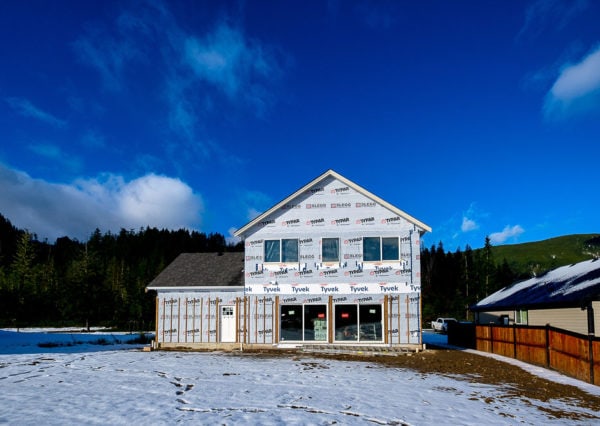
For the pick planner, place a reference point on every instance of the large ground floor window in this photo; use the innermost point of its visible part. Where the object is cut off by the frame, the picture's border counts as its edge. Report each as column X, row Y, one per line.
column 303, row 322
column 359, row 323
column 352, row 322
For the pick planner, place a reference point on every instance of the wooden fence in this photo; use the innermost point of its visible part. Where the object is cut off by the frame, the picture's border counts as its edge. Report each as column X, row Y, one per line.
column 573, row 354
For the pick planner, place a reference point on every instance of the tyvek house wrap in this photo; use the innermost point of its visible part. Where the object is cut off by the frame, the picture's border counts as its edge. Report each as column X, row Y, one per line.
column 188, row 318
column 332, row 209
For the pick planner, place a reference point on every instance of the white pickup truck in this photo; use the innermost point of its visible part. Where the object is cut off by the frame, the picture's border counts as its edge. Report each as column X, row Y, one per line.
column 441, row 324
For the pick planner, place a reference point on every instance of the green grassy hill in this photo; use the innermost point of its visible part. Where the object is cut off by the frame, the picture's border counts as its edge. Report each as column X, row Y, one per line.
column 536, row 257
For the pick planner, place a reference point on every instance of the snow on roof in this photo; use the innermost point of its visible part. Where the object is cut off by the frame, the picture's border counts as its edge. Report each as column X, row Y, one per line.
column 566, row 286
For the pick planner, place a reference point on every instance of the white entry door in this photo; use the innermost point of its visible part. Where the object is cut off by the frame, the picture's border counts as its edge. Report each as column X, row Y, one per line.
column 228, row 323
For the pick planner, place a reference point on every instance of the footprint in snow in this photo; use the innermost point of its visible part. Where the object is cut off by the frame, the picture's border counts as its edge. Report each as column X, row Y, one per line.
column 187, row 388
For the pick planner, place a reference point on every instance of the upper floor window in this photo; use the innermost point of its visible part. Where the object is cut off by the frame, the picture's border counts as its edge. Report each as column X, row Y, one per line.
column 378, row 248
column 281, row 251
column 330, row 249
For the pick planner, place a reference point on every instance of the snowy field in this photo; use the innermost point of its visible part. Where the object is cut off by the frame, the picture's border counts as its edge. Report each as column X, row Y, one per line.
column 82, row 378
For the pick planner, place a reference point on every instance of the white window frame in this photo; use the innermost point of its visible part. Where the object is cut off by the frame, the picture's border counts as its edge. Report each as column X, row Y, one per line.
column 337, row 259
column 281, row 249
column 522, row 316
column 381, row 259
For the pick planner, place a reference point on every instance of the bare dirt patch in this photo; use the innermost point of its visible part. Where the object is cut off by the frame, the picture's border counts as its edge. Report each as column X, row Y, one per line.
column 515, row 382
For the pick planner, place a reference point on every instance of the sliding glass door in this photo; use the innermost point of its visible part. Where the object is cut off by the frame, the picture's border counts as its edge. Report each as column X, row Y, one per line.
column 358, row 323
column 303, row 323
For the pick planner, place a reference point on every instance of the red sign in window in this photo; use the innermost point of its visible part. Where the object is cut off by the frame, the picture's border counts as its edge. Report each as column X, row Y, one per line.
column 345, row 315
column 320, row 315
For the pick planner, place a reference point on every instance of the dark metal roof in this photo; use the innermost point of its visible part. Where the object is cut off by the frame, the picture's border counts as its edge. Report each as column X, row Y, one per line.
column 202, row 270
column 567, row 286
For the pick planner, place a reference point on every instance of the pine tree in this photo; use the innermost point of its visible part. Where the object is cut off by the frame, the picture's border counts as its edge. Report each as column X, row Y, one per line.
column 22, row 275
column 487, row 266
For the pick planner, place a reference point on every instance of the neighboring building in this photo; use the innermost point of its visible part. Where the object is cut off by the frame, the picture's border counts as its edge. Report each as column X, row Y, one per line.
column 330, row 264
column 567, row 297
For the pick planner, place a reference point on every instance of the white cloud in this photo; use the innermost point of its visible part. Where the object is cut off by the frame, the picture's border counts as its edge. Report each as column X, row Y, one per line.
column 252, row 213
column 232, row 63
column 154, row 199
column 377, row 15
column 232, row 239
column 27, row 109
column 221, row 58
column 471, row 218
column 577, row 87
column 45, row 150
column 183, row 115
column 254, row 203
column 108, row 55
column 468, row 225
column 58, row 157
column 108, row 203
column 506, row 233
column 186, row 64
column 542, row 15
column 93, row 139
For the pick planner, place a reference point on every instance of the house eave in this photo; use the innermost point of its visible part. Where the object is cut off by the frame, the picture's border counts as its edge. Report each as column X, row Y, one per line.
column 529, row 306
column 197, row 288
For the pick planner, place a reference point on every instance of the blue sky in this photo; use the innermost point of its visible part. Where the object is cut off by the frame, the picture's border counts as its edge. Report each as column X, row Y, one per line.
column 476, row 117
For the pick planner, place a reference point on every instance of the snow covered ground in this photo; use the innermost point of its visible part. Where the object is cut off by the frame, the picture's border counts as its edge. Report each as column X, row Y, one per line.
column 90, row 383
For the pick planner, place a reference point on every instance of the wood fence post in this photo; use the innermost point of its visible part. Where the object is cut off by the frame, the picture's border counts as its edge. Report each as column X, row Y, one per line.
column 547, row 345
column 491, row 338
column 514, row 341
column 591, row 334
column 591, row 349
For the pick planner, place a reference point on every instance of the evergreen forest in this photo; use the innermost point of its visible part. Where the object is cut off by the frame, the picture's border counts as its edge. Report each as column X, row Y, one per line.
column 102, row 281
column 99, row 282
column 451, row 282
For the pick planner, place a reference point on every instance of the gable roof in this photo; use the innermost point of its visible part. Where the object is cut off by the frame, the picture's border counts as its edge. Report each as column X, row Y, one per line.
column 567, row 286
column 201, row 270
column 357, row 188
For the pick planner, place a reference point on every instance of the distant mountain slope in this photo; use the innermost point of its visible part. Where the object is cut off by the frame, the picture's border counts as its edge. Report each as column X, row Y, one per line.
column 536, row 257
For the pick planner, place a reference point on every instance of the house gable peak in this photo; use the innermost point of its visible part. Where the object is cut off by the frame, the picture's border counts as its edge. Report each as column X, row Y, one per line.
column 329, row 175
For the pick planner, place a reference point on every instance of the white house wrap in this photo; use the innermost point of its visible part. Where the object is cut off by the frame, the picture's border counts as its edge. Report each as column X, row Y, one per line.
column 330, row 264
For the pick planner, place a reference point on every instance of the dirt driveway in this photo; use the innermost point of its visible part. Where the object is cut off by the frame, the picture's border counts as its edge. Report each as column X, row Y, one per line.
column 516, row 382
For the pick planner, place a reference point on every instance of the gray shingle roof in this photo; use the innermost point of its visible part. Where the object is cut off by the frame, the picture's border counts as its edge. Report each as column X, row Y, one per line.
column 202, row 270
